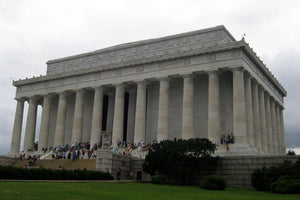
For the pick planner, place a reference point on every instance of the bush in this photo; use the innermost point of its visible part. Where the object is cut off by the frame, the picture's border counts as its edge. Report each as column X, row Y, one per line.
column 213, row 182
column 158, row 179
column 276, row 178
column 258, row 179
column 49, row 174
column 286, row 185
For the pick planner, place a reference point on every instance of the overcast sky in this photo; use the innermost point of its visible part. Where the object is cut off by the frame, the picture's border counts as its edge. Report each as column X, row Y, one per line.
column 34, row 31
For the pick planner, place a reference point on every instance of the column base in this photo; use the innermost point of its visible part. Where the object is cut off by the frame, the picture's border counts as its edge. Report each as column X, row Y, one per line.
column 237, row 149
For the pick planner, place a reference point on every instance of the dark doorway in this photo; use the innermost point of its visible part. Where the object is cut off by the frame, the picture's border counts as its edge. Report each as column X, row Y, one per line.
column 104, row 112
column 126, row 103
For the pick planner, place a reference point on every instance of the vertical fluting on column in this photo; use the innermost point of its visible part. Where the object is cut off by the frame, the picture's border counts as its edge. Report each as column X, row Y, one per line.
column 163, row 110
column 118, row 123
column 60, row 120
column 256, row 115
column 283, row 149
column 249, row 111
column 78, row 117
column 44, row 129
column 140, row 113
column 278, row 131
column 131, row 116
column 17, row 130
column 274, row 127
column 188, row 107
column 214, row 123
column 239, row 107
column 263, row 125
column 269, row 125
column 97, row 116
column 30, row 125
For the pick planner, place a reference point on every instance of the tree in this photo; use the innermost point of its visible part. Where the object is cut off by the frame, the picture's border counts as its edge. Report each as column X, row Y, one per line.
column 291, row 153
column 179, row 161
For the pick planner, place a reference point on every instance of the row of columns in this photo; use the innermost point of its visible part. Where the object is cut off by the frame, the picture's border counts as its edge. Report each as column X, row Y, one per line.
column 257, row 119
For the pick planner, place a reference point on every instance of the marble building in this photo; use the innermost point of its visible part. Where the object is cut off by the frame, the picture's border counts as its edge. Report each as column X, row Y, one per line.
column 197, row 84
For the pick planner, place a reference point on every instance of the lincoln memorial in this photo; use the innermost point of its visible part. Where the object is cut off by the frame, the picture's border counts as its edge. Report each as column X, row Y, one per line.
column 202, row 84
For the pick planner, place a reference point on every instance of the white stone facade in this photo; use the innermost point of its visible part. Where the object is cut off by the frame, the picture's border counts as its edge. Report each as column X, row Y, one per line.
column 196, row 84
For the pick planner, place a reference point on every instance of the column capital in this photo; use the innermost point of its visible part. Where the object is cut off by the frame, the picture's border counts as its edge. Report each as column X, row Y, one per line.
column 234, row 69
column 79, row 90
column 267, row 94
column 22, row 99
column 187, row 75
column 211, row 72
column 119, row 85
column 166, row 78
column 261, row 88
column 34, row 100
column 50, row 95
column 255, row 82
column 142, row 81
column 272, row 100
column 248, row 75
column 100, row 87
column 63, row 95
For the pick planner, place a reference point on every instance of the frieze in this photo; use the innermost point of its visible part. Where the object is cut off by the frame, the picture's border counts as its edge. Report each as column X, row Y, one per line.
column 150, row 58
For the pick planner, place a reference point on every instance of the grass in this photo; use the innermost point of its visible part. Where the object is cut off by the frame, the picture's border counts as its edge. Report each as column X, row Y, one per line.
column 124, row 191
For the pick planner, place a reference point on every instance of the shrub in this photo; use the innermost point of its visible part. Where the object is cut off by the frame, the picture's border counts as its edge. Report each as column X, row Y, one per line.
column 213, row 182
column 276, row 179
column 158, row 179
column 258, row 179
column 286, row 185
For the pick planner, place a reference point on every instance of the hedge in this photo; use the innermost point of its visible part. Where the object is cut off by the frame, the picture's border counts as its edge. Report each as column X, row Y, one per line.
column 50, row 174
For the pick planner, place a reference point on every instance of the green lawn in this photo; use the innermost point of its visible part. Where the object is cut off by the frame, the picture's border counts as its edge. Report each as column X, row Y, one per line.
column 124, row 191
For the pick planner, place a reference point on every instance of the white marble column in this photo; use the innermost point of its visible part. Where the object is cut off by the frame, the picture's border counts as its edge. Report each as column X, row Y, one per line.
column 131, row 116
column 239, row 107
column 17, row 130
column 256, row 116
column 274, row 127
column 30, row 125
column 140, row 113
column 97, row 116
column 188, row 107
column 44, row 129
column 249, row 111
column 60, row 120
column 163, row 110
column 278, row 131
column 283, row 148
column 78, row 117
column 118, row 122
column 269, row 125
column 263, row 125
column 214, row 122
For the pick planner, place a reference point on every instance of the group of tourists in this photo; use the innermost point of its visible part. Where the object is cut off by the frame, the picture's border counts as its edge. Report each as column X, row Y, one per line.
column 126, row 148
column 76, row 152
column 227, row 139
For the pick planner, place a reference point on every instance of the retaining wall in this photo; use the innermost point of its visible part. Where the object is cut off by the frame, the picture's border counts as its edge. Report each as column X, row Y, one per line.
column 236, row 170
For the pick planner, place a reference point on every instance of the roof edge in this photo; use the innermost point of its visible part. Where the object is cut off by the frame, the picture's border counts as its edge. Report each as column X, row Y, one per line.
column 143, row 42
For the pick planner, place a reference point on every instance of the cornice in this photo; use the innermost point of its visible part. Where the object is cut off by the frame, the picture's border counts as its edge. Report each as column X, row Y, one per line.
column 163, row 56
